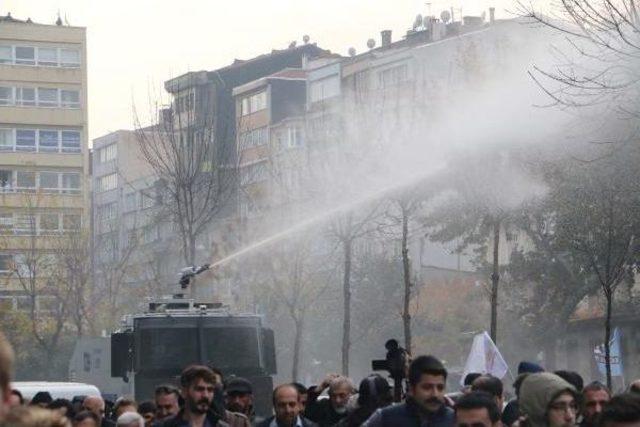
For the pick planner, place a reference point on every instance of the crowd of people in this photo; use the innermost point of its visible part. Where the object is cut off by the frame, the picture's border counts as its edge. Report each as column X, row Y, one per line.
column 204, row 399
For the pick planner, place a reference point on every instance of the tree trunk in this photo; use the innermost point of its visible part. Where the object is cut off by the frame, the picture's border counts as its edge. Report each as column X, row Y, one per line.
column 495, row 280
column 346, row 290
column 297, row 347
column 607, row 336
column 406, row 267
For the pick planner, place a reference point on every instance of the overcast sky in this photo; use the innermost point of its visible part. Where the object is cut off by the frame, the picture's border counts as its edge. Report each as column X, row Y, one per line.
column 135, row 45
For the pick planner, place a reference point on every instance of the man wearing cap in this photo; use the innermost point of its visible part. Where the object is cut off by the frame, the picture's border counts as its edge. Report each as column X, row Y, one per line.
column 238, row 397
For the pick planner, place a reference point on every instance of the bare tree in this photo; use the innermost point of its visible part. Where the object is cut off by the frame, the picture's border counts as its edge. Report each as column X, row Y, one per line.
column 73, row 250
column 597, row 211
column 194, row 162
column 36, row 269
column 401, row 214
column 597, row 65
column 347, row 228
column 114, row 266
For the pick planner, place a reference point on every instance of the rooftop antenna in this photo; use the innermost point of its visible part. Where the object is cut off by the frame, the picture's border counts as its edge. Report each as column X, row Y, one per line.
column 59, row 20
column 66, row 21
column 428, row 4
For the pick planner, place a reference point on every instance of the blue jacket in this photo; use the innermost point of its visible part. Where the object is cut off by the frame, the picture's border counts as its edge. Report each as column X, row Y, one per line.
column 409, row 414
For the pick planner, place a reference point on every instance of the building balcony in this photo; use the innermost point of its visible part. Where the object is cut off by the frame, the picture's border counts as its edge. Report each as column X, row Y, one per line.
column 42, row 159
column 35, row 75
column 52, row 200
column 43, row 116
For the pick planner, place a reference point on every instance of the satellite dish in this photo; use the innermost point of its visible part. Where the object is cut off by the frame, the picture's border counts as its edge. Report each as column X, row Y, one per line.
column 292, row 44
column 371, row 43
column 306, row 38
column 445, row 16
column 418, row 22
column 352, row 51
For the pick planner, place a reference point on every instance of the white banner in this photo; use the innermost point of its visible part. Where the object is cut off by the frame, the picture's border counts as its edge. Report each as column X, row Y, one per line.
column 485, row 358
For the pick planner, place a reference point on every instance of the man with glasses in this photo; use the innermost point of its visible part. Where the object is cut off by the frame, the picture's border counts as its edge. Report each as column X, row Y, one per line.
column 546, row 400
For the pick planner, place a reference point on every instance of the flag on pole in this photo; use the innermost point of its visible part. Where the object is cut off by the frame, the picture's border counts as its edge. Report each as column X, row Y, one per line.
column 484, row 358
column 615, row 357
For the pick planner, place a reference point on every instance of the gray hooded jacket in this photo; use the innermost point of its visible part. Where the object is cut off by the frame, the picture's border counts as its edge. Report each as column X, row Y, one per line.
column 536, row 394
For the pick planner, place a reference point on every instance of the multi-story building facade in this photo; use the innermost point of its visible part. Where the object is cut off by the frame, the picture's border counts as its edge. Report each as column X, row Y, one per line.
column 44, row 154
column 128, row 231
column 270, row 121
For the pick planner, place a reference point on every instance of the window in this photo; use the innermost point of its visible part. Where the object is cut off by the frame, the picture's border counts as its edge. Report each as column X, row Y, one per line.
column 25, row 55
column 254, row 103
column 107, row 182
column 6, row 55
column 6, row 180
column 26, row 180
column 107, row 211
column 71, row 222
column 6, row 139
column 108, row 153
column 245, row 106
column 48, row 56
column 48, row 140
column 47, row 97
column 295, row 137
column 6, row 95
column 49, row 223
column 47, row 303
column 70, row 141
column 24, row 224
column 70, row 182
column 69, row 57
column 6, row 223
column 69, row 98
column 25, row 140
column 254, row 138
column 26, row 96
column 49, row 181
column 6, row 263
column 24, row 303
column 324, row 88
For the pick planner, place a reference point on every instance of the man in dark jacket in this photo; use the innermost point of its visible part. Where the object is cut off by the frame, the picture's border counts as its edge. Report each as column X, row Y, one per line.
column 328, row 412
column 425, row 404
column 287, row 406
column 197, row 383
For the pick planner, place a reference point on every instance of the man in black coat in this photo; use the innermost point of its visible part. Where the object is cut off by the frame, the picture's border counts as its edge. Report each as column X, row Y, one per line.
column 197, row 383
column 287, row 406
column 329, row 412
column 425, row 404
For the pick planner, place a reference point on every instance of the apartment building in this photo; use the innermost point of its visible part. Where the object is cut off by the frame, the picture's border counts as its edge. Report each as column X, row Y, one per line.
column 44, row 156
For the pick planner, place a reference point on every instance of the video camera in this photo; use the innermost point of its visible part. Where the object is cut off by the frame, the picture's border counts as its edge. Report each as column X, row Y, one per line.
column 395, row 363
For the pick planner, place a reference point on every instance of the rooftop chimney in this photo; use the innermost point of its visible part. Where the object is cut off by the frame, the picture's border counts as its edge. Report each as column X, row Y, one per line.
column 386, row 37
column 492, row 15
